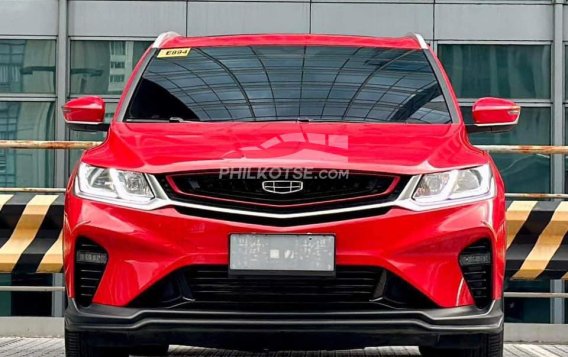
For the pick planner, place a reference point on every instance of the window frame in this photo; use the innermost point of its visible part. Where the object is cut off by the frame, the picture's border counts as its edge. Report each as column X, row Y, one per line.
column 528, row 101
column 72, row 39
column 50, row 98
column 34, row 96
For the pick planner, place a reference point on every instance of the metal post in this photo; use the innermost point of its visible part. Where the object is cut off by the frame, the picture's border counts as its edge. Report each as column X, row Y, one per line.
column 57, row 300
column 557, row 161
column 57, row 297
column 61, row 91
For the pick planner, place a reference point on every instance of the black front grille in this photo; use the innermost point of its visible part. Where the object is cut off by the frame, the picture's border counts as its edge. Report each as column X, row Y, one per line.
column 212, row 287
column 213, row 284
column 313, row 191
column 248, row 194
column 475, row 262
column 88, row 274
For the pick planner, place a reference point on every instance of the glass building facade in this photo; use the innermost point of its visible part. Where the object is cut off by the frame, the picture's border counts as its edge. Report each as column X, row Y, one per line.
column 68, row 48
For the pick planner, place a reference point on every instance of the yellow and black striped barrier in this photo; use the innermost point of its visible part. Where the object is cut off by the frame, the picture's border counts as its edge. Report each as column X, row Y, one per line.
column 30, row 233
column 31, row 241
column 537, row 240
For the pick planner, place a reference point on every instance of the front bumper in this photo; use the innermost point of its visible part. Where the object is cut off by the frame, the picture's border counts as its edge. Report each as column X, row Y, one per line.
column 453, row 327
column 422, row 248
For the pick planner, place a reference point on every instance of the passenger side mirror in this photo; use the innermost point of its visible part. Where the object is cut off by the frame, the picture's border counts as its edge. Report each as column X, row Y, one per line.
column 494, row 115
column 85, row 114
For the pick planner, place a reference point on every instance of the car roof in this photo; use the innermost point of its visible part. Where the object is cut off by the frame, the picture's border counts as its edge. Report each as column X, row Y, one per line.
column 172, row 40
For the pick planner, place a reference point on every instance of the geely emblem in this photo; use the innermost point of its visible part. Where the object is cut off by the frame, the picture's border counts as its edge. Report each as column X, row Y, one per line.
column 282, row 187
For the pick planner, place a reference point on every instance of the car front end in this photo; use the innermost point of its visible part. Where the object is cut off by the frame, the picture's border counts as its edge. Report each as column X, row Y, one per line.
column 288, row 233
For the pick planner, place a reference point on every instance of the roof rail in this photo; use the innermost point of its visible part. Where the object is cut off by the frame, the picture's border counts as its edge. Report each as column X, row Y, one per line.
column 163, row 37
column 420, row 40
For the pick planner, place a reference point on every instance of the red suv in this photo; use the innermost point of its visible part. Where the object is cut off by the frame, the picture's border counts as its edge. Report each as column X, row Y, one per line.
column 286, row 192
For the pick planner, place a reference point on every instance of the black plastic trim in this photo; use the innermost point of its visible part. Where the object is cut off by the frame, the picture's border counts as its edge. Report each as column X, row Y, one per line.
column 88, row 127
column 479, row 277
column 133, row 88
column 444, row 86
column 95, row 271
column 122, row 326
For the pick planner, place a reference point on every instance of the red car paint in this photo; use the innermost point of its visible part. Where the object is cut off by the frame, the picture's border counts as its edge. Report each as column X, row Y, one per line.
column 420, row 247
column 201, row 146
column 290, row 40
column 485, row 108
column 84, row 110
column 148, row 246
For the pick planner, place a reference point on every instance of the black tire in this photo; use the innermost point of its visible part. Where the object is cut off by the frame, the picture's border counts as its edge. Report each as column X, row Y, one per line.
column 77, row 345
column 159, row 350
column 491, row 346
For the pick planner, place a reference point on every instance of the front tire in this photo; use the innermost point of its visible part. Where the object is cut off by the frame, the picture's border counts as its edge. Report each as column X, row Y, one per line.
column 490, row 346
column 77, row 345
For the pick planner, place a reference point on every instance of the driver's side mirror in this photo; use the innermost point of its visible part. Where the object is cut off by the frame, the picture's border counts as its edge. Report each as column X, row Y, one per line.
column 494, row 115
column 85, row 114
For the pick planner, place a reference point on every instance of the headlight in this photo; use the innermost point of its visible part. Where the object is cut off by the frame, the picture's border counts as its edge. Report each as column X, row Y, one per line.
column 453, row 185
column 97, row 182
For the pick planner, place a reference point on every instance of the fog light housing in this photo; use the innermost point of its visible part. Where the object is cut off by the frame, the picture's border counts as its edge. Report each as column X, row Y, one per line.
column 90, row 263
column 476, row 265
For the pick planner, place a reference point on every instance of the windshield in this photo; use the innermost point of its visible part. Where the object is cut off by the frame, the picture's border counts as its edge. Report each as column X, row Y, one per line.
column 272, row 83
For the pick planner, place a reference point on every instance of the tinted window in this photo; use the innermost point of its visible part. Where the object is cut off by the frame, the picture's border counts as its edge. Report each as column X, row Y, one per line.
column 27, row 121
column 510, row 71
column 290, row 83
column 27, row 66
column 103, row 67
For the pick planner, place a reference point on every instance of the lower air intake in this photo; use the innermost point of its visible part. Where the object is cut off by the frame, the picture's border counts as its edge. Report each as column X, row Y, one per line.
column 350, row 285
column 90, row 264
column 352, row 288
column 475, row 262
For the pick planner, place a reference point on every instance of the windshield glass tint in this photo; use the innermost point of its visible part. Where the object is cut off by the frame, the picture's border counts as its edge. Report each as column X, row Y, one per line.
column 265, row 83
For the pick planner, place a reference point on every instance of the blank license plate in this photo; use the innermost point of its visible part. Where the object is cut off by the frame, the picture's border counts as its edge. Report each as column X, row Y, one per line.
column 282, row 254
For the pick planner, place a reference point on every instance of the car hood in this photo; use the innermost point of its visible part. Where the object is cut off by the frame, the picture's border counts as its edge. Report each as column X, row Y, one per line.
column 175, row 147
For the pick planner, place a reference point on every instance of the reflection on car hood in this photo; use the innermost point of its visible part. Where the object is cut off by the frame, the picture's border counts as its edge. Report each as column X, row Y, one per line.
column 396, row 148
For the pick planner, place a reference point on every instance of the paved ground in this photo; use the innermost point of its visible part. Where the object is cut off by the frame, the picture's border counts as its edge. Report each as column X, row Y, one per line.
column 51, row 347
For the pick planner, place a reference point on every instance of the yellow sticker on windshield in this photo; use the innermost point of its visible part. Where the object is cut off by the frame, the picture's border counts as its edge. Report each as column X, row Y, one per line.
column 174, row 52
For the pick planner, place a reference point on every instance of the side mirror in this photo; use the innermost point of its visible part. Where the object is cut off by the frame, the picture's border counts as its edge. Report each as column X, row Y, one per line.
column 85, row 114
column 494, row 115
